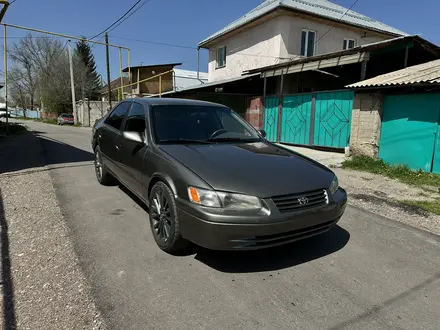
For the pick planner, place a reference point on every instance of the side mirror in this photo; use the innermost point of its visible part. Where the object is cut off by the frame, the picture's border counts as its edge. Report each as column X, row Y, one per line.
column 133, row 136
column 262, row 132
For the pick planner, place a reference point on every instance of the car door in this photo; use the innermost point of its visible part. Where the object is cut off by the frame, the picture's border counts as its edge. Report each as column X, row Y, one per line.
column 109, row 133
column 132, row 153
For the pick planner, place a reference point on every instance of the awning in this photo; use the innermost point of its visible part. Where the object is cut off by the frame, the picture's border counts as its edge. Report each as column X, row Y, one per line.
column 318, row 64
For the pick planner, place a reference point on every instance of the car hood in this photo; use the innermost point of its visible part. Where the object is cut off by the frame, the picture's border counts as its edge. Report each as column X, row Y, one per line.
column 260, row 169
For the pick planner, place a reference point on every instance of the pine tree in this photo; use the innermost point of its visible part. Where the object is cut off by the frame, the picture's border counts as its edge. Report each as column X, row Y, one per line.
column 91, row 82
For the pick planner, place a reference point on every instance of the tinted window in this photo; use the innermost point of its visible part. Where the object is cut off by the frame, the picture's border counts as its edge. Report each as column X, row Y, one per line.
column 136, row 119
column 174, row 122
column 117, row 116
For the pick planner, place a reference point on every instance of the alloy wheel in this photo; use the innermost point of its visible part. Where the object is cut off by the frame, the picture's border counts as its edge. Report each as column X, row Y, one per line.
column 161, row 216
column 98, row 165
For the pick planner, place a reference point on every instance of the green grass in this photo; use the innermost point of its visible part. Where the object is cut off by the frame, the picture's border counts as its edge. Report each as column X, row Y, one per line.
column 400, row 172
column 430, row 206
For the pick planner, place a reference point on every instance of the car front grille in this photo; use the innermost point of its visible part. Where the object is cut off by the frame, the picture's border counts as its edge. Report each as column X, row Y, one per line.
column 301, row 201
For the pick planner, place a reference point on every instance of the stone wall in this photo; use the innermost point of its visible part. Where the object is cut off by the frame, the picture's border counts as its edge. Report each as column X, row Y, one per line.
column 98, row 109
column 366, row 124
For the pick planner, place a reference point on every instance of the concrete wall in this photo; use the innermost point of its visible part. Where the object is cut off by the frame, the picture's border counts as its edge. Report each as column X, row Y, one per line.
column 98, row 110
column 278, row 39
column 250, row 49
column 366, row 124
column 291, row 29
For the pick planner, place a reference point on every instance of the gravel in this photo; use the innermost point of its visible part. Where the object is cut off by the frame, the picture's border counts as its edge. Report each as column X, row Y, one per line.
column 43, row 287
column 382, row 196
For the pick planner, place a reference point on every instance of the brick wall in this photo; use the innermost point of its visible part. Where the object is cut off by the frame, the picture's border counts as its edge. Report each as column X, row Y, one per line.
column 255, row 112
column 366, row 124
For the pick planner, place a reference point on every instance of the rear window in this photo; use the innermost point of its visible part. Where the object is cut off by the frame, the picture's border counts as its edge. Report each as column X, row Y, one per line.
column 66, row 115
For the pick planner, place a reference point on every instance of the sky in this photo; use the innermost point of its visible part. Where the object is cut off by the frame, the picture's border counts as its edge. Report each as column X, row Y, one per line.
column 185, row 23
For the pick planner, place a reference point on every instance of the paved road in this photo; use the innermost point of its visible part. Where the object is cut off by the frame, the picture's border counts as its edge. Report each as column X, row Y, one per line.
column 368, row 273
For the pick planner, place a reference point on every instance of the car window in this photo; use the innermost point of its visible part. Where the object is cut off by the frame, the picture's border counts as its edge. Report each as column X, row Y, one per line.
column 174, row 122
column 117, row 116
column 135, row 121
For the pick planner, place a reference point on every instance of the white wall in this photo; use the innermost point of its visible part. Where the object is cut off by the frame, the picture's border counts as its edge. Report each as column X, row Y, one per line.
column 276, row 40
column 253, row 48
column 291, row 28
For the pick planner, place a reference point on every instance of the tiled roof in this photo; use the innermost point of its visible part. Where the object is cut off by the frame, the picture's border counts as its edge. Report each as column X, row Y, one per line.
column 321, row 8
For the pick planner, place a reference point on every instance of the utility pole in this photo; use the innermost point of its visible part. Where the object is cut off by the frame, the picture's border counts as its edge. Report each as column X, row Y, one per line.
column 107, row 52
column 72, row 84
column 6, row 78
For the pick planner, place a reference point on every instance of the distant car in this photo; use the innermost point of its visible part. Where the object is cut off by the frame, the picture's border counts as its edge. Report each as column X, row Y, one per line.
column 65, row 119
column 210, row 178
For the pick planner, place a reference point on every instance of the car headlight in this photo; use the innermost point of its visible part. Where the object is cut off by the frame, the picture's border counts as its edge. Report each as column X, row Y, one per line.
column 334, row 185
column 224, row 200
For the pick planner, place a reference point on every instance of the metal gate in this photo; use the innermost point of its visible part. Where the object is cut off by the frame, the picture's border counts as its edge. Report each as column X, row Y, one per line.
column 410, row 133
column 271, row 118
column 316, row 119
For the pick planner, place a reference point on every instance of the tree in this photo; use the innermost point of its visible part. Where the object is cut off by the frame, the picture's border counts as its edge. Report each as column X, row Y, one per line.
column 41, row 70
column 90, row 82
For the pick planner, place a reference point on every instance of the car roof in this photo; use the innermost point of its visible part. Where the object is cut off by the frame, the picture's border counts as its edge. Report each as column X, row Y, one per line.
column 175, row 101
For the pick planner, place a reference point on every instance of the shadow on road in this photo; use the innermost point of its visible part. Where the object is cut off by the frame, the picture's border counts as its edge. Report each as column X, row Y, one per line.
column 9, row 322
column 27, row 152
column 277, row 258
column 57, row 152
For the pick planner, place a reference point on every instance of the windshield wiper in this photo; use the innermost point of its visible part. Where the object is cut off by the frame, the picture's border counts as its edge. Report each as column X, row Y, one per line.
column 183, row 141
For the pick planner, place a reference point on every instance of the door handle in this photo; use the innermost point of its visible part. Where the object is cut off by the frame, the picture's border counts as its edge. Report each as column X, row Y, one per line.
column 117, row 147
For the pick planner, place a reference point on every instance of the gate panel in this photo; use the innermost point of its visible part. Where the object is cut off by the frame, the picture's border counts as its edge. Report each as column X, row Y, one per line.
column 333, row 119
column 409, row 131
column 296, row 119
column 271, row 118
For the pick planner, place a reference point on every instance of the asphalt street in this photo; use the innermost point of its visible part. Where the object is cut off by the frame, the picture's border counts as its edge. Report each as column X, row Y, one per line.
column 368, row 273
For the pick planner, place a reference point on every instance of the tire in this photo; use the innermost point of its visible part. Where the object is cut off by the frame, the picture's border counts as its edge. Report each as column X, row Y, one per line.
column 165, row 222
column 102, row 173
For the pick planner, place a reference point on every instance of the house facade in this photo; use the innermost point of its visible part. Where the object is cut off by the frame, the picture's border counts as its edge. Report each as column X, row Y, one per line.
column 282, row 30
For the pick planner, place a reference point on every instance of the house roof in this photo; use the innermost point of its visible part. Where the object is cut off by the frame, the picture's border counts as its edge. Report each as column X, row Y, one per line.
column 151, row 66
column 320, row 8
column 426, row 73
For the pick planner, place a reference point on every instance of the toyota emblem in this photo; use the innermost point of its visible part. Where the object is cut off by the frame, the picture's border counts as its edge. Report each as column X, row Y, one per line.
column 303, row 200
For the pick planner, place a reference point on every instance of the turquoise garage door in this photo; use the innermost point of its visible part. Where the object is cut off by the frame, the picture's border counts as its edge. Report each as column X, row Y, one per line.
column 410, row 131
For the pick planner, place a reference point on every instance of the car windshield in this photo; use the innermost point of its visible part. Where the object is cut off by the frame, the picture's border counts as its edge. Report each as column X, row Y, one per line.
column 199, row 124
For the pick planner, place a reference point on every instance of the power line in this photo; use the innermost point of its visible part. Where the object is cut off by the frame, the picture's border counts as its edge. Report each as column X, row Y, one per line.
column 131, row 14
column 331, row 28
column 12, row 2
column 156, row 43
column 118, row 20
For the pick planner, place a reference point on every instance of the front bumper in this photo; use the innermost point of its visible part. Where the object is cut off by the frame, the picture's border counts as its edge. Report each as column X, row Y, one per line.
column 222, row 232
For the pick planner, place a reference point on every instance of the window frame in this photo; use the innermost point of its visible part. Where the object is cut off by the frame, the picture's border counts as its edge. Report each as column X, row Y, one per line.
column 307, row 31
column 217, row 65
column 347, row 40
column 129, row 103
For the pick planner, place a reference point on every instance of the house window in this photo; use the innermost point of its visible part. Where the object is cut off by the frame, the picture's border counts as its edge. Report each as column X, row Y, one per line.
column 221, row 57
column 308, row 40
column 349, row 43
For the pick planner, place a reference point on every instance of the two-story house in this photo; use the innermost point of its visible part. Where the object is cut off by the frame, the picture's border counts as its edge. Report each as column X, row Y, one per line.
column 281, row 30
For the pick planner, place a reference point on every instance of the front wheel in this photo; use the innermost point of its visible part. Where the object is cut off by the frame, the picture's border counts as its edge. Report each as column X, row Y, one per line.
column 164, row 220
column 102, row 173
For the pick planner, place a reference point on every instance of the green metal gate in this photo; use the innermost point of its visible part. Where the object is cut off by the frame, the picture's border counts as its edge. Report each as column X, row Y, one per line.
column 271, row 118
column 296, row 119
column 410, row 133
column 316, row 119
column 333, row 112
